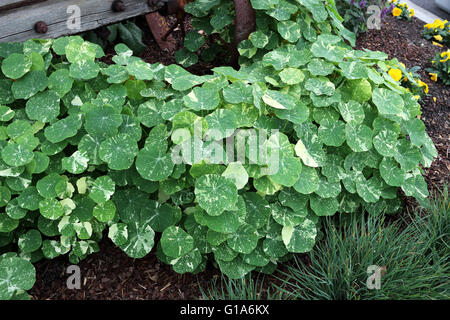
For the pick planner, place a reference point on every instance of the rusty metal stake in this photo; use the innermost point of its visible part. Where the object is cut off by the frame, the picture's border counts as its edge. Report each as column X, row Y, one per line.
column 158, row 26
column 245, row 23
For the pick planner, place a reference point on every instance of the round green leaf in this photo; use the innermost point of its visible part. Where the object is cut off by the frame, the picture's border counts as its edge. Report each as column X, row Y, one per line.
column 193, row 41
column 102, row 189
column 118, row 233
column 301, row 238
column 118, row 151
column 387, row 101
column 76, row 163
column 154, row 163
column 391, row 173
column 104, row 211
column 359, row 137
column 244, row 240
column 235, row 269
column 43, row 106
column 6, row 113
column 51, row 208
column 215, row 194
column 385, row 142
column 323, row 206
column 103, row 121
column 286, row 216
column 187, row 263
column 16, row 155
column 332, row 134
column 14, row 211
column 30, row 241
column 202, row 99
column 15, row 274
column 175, row 242
column 61, row 82
column 16, row 65
column 140, row 70
column 235, row 171
column 308, row 181
column 63, row 129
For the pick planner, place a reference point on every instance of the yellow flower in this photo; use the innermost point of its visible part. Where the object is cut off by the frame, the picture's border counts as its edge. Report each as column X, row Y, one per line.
column 417, row 97
column 402, row 5
column 411, row 13
column 396, row 12
column 423, row 84
column 396, row 74
column 433, row 76
column 436, row 43
column 445, row 54
column 438, row 37
column 434, row 99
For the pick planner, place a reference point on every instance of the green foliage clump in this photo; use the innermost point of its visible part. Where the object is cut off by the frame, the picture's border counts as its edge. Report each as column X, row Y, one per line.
column 441, row 67
column 235, row 165
column 438, row 31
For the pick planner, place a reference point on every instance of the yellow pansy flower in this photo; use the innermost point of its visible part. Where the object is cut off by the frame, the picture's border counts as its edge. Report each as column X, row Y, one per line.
column 433, row 76
column 434, row 99
column 417, row 97
column 411, row 13
column 396, row 12
column 436, row 43
column 445, row 54
column 438, row 37
column 423, row 84
column 396, row 74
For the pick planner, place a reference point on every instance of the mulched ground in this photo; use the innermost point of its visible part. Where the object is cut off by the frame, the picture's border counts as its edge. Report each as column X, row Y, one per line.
column 111, row 274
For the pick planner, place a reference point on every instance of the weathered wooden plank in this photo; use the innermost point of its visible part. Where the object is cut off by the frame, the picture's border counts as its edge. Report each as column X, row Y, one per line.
column 11, row 4
column 18, row 24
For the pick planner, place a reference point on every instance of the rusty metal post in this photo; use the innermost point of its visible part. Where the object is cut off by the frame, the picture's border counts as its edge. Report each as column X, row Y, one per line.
column 244, row 24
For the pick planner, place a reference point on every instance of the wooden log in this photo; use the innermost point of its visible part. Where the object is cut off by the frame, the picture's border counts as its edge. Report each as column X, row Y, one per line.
column 18, row 24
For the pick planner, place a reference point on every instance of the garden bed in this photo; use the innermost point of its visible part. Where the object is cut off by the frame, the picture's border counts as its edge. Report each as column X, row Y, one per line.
column 111, row 274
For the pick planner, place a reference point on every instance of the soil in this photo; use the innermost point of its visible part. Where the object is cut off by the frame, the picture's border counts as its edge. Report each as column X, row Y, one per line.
column 110, row 274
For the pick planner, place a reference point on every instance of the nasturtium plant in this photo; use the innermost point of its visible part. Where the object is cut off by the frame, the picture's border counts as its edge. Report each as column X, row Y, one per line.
column 237, row 165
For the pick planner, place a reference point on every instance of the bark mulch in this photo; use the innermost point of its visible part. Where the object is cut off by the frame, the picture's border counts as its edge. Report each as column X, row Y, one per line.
column 111, row 274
